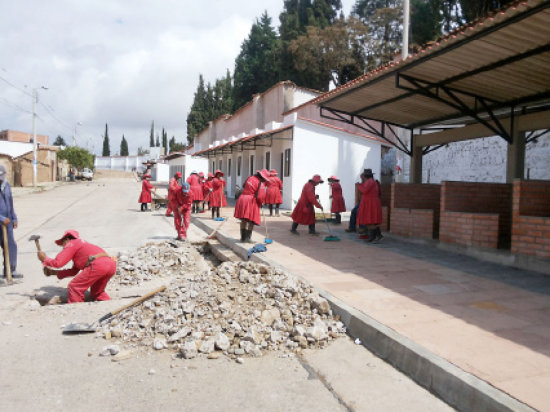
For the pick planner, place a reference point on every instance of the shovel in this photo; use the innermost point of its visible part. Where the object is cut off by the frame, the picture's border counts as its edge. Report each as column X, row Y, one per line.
column 75, row 328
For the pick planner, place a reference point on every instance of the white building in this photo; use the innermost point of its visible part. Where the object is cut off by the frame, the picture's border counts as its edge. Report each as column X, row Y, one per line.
column 185, row 164
column 279, row 129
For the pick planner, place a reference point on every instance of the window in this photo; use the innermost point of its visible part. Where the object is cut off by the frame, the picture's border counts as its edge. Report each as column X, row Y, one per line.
column 239, row 162
column 213, row 166
column 251, row 165
column 268, row 160
column 220, row 164
column 282, row 165
column 228, row 167
column 287, row 163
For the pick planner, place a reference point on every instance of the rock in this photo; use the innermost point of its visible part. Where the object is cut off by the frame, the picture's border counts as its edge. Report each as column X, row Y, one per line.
column 182, row 333
column 214, row 355
column 207, row 346
column 222, row 342
column 123, row 355
column 152, row 371
column 109, row 350
column 298, row 330
column 189, row 350
column 239, row 352
column 159, row 344
column 318, row 331
column 321, row 304
column 252, row 336
column 116, row 333
column 271, row 315
column 239, row 360
column 107, row 335
column 275, row 336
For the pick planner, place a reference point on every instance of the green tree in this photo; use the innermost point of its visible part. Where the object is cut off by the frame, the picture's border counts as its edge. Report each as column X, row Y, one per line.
column 142, row 152
column 77, row 157
column 473, row 9
column 425, row 22
column 158, row 141
column 255, row 65
column 59, row 141
column 124, row 147
column 197, row 119
column 384, row 19
column 165, row 140
column 152, row 135
column 106, row 148
column 332, row 54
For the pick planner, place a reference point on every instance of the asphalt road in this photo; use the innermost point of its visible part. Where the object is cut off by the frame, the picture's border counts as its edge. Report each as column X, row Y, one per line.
column 42, row 369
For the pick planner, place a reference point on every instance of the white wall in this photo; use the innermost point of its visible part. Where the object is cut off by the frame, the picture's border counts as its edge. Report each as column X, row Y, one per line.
column 187, row 164
column 15, row 149
column 126, row 163
column 160, row 172
column 326, row 151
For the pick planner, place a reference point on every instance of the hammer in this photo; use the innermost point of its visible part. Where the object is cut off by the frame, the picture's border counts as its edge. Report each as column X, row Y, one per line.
column 36, row 241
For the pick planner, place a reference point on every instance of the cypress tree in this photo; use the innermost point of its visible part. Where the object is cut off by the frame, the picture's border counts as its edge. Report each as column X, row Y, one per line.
column 123, row 147
column 106, row 148
column 152, row 135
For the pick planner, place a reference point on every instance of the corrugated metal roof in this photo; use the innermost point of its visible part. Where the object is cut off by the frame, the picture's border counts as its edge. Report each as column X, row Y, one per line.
column 499, row 62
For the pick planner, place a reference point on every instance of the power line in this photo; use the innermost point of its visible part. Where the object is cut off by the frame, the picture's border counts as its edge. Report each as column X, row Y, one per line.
column 15, row 87
column 14, row 106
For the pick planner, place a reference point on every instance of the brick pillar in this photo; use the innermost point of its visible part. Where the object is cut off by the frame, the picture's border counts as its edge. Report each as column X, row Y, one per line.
column 515, row 164
column 416, row 164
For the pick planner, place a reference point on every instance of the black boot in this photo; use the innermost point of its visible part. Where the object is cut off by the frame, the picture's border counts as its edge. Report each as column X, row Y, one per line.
column 338, row 219
column 378, row 234
column 293, row 229
column 371, row 233
column 243, row 235
column 248, row 236
column 213, row 213
column 312, row 230
column 218, row 212
column 270, row 210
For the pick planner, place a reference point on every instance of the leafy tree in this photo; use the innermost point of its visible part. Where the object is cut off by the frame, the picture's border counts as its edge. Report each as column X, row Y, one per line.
column 425, row 22
column 197, row 118
column 331, row 54
column 59, row 141
column 106, row 148
column 142, row 152
column 77, row 157
column 254, row 66
column 152, row 135
column 473, row 9
column 124, row 147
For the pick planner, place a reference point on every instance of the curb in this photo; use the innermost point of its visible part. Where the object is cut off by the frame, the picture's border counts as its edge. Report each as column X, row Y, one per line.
column 458, row 388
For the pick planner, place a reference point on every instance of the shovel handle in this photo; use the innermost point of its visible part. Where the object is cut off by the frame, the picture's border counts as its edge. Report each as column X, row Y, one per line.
column 7, row 263
column 134, row 302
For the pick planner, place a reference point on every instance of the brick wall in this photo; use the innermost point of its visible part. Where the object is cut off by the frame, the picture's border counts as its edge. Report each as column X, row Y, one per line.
column 481, row 198
column 531, row 218
column 385, row 197
column 415, row 203
column 15, row 136
column 469, row 229
column 417, row 223
column 385, row 218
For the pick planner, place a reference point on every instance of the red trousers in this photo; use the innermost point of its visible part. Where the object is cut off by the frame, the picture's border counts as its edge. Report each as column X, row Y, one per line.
column 181, row 221
column 95, row 276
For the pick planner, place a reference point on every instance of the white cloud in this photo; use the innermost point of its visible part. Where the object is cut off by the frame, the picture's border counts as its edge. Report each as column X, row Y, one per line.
column 120, row 62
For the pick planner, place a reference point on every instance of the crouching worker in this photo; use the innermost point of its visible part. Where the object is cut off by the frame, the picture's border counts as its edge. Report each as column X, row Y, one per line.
column 183, row 201
column 95, row 266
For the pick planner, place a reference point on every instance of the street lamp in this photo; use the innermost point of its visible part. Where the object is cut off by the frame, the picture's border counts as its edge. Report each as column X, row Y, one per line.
column 34, row 143
column 74, row 133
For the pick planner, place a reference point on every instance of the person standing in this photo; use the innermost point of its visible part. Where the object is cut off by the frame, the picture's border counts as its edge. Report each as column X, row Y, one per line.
column 183, row 200
column 172, row 186
column 196, row 191
column 370, row 208
column 8, row 218
column 274, row 192
column 303, row 213
column 206, row 190
column 202, row 181
column 145, row 196
column 338, row 204
column 216, row 193
column 95, row 266
column 249, row 202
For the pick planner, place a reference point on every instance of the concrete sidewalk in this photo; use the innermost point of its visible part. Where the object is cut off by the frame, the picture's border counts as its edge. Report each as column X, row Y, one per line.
column 489, row 320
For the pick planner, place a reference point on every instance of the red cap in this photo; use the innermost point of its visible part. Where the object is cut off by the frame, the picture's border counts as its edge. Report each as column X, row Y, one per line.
column 317, row 179
column 264, row 173
column 218, row 172
column 178, row 174
column 70, row 232
column 210, row 175
column 201, row 174
column 273, row 172
column 334, row 178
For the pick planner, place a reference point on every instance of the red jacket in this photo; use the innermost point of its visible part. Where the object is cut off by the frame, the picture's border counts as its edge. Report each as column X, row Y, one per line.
column 196, row 189
column 217, row 198
column 183, row 200
column 145, row 196
column 273, row 195
column 250, row 200
column 76, row 250
column 370, row 208
column 303, row 213
column 338, row 203
column 172, row 187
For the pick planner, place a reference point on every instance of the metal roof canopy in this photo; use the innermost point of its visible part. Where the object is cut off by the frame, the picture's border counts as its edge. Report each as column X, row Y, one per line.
column 489, row 75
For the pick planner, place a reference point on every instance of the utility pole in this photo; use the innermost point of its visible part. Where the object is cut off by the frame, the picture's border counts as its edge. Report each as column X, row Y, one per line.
column 34, row 143
column 400, row 157
column 74, row 133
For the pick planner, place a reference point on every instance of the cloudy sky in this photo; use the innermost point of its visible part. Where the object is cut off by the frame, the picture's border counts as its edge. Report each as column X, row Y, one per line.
column 121, row 62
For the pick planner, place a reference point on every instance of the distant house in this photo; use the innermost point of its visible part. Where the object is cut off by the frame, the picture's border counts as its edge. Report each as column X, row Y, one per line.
column 279, row 129
column 17, row 157
column 15, row 136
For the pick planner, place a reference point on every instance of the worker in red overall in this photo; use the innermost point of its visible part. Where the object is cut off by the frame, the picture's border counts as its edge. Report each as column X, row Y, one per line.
column 145, row 196
column 338, row 204
column 303, row 213
column 172, row 186
column 206, row 190
column 196, row 191
column 274, row 192
column 95, row 266
column 216, row 193
column 249, row 202
column 183, row 200
column 370, row 208
column 202, row 180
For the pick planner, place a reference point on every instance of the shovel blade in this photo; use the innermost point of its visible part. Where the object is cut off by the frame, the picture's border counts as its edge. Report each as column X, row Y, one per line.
column 75, row 328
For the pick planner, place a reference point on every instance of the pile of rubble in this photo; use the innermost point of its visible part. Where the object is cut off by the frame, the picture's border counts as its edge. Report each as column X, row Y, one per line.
column 235, row 309
column 154, row 260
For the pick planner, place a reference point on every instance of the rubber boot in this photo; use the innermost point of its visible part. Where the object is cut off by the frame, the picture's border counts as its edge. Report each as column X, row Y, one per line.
column 277, row 211
column 293, row 229
column 338, row 219
column 312, row 230
column 212, row 213
column 243, row 235
column 378, row 234
column 371, row 233
column 248, row 236
column 270, row 210
column 217, row 212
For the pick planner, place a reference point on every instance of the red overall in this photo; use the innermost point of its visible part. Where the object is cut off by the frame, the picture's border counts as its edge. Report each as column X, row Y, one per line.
column 274, row 187
column 196, row 189
column 145, row 196
column 250, row 200
column 216, row 196
column 172, row 186
column 182, row 212
column 94, row 276
column 370, row 208
column 338, row 203
column 303, row 213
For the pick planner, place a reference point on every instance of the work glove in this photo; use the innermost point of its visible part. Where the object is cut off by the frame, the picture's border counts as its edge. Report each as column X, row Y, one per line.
column 49, row 272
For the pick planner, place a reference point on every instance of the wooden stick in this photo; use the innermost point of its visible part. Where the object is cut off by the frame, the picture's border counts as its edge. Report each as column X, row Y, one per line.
column 134, row 302
column 7, row 255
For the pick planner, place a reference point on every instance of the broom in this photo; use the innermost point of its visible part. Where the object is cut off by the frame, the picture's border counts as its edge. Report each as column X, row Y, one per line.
column 330, row 237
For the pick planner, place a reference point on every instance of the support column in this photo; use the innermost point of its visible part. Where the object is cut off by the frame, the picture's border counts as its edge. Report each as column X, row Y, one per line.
column 515, row 165
column 415, row 170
